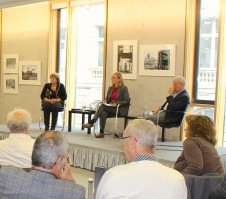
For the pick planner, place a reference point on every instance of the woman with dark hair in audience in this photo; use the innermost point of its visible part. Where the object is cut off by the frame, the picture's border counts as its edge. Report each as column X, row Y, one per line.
column 53, row 96
column 199, row 156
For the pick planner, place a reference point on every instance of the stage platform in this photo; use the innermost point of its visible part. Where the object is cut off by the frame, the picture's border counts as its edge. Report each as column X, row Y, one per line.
column 87, row 152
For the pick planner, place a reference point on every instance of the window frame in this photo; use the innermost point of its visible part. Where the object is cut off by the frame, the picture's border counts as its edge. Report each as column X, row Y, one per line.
column 196, row 59
column 190, row 49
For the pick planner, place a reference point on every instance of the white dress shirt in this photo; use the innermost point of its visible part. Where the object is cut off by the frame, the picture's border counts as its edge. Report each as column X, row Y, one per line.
column 16, row 150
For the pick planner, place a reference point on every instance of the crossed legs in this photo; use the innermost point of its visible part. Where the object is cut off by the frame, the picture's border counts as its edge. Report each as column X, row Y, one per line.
column 103, row 112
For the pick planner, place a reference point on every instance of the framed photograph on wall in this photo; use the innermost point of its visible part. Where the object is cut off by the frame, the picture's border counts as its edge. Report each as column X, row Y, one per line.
column 30, row 72
column 10, row 63
column 10, row 83
column 157, row 60
column 125, row 58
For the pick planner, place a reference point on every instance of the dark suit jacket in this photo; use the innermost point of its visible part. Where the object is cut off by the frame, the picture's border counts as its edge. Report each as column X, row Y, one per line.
column 178, row 103
column 16, row 183
column 122, row 99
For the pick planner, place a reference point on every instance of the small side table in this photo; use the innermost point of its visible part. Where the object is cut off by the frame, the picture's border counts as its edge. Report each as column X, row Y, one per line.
column 83, row 112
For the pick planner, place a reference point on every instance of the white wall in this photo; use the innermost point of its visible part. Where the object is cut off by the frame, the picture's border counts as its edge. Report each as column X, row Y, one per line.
column 149, row 22
column 25, row 31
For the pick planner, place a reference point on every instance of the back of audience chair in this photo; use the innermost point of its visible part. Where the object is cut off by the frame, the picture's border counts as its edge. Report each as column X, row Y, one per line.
column 99, row 172
column 200, row 187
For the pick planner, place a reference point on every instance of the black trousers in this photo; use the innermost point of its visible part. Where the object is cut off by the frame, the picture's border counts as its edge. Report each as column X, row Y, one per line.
column 103, row 112
column 47, row 109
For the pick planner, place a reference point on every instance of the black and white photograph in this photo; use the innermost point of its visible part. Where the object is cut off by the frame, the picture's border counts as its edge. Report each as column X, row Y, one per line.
column 160, row 61
column 157, row 60
column 10, row 63
column 30, row 72
column 10, row 83
column 125, row 58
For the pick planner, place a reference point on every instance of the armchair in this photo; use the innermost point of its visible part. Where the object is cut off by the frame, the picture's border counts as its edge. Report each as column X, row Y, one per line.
column 118, row 115
column 174, row 123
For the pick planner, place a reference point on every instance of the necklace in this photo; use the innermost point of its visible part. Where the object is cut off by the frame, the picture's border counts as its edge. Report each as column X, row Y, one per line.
column 53, row 87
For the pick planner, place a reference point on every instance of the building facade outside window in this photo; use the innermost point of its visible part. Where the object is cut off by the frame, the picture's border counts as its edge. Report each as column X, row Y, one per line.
column 62, row 44
column 207, row 51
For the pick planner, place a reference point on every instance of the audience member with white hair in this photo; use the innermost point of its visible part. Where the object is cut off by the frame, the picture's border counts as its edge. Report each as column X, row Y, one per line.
column 16, row 150
column 144, row 177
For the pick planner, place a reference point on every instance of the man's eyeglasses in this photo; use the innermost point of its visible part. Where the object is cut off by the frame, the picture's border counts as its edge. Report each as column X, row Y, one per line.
column 123, row 138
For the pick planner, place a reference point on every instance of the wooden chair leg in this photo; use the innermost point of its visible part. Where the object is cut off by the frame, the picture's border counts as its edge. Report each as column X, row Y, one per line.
column 163, row 134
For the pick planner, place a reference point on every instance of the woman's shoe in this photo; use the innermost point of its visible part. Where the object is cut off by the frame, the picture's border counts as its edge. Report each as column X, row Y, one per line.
column 116, row 135
column 100, row 135
column 87, row 125
column 52, row 128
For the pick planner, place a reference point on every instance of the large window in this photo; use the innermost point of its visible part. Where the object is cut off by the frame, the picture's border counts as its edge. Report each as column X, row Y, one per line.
column 205, row 34
column 206, row 55
column 77, row 50
column 88, row 21
column 62, row 45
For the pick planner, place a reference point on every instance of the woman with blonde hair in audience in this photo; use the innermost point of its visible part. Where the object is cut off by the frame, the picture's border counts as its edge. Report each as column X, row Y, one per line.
column 199, row 156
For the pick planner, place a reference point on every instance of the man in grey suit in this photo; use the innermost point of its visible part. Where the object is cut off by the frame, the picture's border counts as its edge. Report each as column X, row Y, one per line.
column 50, row 176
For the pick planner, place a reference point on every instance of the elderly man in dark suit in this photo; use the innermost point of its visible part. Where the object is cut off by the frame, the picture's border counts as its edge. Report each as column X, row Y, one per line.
column 177, row 101
column 117, row 94
column 50, row 176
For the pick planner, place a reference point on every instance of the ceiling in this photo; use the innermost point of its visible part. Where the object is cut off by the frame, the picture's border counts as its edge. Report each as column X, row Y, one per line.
column 12, row 3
